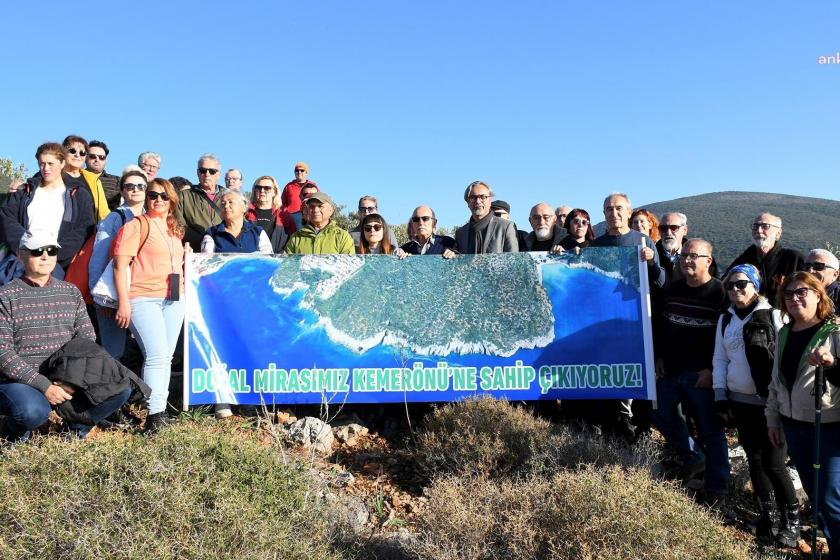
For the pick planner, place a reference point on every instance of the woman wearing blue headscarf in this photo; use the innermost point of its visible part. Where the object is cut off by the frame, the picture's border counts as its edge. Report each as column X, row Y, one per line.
column 743, row 364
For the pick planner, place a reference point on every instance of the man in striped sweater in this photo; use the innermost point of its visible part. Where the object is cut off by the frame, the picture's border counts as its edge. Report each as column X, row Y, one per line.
column 38, row 315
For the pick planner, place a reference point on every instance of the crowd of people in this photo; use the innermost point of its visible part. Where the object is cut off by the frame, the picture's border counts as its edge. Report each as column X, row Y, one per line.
column 95, row 256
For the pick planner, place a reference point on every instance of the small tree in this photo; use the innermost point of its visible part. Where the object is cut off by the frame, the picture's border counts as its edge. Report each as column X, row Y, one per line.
column 10, row 172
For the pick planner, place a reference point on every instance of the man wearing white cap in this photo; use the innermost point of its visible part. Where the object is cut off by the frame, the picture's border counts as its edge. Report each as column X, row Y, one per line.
column 39, row 314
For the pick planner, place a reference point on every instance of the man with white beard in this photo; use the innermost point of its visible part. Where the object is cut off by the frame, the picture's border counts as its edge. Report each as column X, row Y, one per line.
column 673, row 227
column 768, row 256
column 545, row 234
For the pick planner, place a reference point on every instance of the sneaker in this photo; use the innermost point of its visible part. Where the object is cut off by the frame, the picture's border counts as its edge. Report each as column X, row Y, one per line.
column 155, row 422
column 223, row 411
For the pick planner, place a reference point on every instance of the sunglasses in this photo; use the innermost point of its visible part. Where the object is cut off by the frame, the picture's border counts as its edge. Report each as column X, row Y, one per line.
column 817, row 266
column 580, row 222
column 500, row 213
column 263, row 188
column 418, row 219
column 692, row 256
column 300, row 170
column 739, row 285
column 207, row 170
column 51, row 251
column 669, row 227
column 367, row 208
column 154, row 195
column 762, row 225
column 131, row 187
column 798, row 293
column 373, row 227
column 74, row 152
column 97, row 156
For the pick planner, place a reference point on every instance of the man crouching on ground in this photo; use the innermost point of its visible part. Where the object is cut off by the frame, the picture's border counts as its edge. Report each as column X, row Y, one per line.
column 38, row 316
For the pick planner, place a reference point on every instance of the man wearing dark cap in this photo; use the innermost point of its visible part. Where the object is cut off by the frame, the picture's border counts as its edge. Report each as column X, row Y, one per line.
column 320, row 235
column 485, row 232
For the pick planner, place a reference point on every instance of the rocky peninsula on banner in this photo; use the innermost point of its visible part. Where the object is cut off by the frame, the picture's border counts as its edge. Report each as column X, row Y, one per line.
column 342, row 328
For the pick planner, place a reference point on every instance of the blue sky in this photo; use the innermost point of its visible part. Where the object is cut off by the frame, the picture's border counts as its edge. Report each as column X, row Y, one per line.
column 560, row 102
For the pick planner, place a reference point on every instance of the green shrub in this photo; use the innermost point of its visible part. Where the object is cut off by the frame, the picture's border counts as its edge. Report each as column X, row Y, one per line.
column 585, row 514
column 192, row 491
column 489, row 437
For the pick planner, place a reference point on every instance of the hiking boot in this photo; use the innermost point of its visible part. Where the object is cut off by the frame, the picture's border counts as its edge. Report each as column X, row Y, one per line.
column 155, row 422
column 717, row 503
column 790, row 528
column 764, row 525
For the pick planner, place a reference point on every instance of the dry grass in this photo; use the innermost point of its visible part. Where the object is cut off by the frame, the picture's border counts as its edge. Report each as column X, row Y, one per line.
column 611, row 513
column 484, row 436
column 192, row 491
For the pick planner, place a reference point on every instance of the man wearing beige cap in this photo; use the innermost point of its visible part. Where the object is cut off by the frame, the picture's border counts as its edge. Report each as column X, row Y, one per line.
column 290, row 198
column 320, row 235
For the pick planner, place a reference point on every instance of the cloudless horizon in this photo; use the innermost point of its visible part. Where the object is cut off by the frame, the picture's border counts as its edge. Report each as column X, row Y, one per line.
column 561, row 102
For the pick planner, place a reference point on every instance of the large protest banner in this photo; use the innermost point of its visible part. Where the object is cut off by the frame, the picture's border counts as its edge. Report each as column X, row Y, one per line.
column 359, row 329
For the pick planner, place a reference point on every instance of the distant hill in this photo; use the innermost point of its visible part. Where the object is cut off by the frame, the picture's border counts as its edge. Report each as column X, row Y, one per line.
column 724, row 218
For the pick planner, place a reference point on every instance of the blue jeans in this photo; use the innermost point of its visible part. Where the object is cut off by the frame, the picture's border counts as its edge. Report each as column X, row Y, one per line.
column 156, row 323
column 671, row 390
column 111, row 335
column 27, row 408
column 800, row 440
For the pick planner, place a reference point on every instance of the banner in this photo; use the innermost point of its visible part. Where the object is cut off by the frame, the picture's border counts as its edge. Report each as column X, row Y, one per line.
column 362, row 329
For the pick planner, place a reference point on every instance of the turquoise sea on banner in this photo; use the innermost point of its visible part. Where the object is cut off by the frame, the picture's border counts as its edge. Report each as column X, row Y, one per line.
column 274, row 328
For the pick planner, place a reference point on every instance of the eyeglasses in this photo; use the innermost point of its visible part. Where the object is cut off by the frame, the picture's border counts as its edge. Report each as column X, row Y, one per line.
column 207, row 170
column 149, row 166
column 817, row 266
column 543, row 217
column 739, row 285
column 263, row 188
column 233, row 178
column 100, row 157
column 580, row 222
column 51, row 251
column 692, row 256
column 474, row 197
column 762, row 225
column 418, row 219
column 131, row 187
column 367, row 208
column 798, row 293
column 373, row 227
column 668, row 227
column 154, row 195
column 74, row 152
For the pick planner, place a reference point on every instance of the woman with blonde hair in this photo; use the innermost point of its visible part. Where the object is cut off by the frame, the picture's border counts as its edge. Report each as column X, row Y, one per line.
column 152, row 246
column 265, row 212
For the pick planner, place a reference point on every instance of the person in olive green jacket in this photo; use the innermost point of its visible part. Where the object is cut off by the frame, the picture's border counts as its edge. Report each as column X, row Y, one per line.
column 320, row 236
column 197, row 207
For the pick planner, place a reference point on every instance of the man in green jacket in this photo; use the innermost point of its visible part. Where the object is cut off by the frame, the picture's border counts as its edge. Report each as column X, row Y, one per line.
column 197, row 206
column 320, row 236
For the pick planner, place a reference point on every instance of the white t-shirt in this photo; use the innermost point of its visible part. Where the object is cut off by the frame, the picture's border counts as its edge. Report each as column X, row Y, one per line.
column 46, row 210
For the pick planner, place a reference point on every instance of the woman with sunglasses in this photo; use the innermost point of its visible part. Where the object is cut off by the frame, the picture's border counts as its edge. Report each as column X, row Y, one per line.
column 48, row 203
column 645, row 221
column 133, row 192
column 153, row 306
column 265, row 212
column 77, row 150
column 580, row 231
column 373, row 240
column 810, row 339
column 745, row 345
